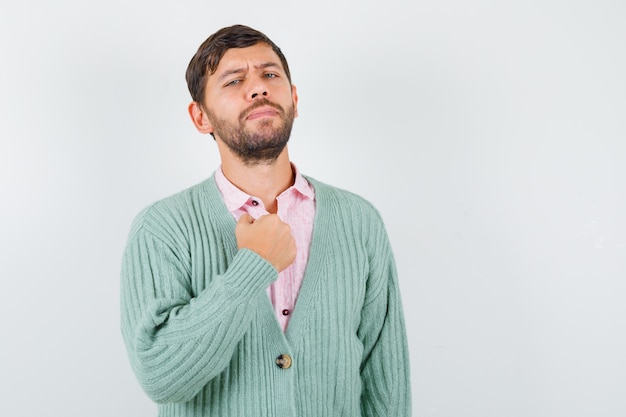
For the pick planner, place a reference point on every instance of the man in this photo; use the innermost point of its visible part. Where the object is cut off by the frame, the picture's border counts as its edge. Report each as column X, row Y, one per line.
column 261, row 292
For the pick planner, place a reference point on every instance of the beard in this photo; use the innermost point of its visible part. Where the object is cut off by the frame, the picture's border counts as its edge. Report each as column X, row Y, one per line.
column 261, row 146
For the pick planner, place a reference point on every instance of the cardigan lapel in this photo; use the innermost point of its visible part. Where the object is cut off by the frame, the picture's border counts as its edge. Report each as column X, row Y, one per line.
column 313, row 274
column 225, row 224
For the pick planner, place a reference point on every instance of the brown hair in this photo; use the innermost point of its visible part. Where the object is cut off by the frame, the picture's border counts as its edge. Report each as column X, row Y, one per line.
column 209, row 54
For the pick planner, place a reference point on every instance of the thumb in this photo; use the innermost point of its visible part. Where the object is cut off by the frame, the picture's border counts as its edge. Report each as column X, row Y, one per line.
column 245, row 219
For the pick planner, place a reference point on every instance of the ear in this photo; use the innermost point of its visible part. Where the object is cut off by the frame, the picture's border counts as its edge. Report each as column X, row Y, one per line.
column 294, row 97
column 199, row 118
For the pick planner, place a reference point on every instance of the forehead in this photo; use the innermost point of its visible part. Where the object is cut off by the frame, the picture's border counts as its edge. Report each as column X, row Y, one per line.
column 251, row 56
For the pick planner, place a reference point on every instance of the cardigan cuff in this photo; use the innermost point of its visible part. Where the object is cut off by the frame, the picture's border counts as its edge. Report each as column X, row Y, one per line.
column 249, row 273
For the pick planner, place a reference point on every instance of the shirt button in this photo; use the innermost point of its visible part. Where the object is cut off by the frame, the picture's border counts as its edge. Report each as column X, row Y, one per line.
column 284, row 361
column 285, row 312
column 254, row 203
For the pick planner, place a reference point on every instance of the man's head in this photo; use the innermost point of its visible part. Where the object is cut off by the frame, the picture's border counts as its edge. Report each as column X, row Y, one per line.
column 206, row 60
column 242, row 94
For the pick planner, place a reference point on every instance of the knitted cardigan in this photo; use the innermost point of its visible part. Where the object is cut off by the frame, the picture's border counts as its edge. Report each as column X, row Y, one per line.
column 203, row 339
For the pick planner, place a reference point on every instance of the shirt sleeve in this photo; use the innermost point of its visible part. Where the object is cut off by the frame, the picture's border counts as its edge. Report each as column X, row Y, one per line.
column 385, row 367
column 177, row 341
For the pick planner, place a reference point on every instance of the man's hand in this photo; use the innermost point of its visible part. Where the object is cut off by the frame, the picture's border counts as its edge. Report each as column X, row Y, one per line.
column 269, row 237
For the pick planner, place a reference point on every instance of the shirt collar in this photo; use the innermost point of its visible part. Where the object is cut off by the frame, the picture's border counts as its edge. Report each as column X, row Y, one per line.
column 302, row 185
column 234, row 198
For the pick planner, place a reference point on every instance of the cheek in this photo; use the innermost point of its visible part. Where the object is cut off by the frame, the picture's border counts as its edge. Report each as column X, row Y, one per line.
column 223, row 113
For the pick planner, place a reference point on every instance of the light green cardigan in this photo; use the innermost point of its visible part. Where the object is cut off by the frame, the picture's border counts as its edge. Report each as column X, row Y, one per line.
column 202, row 336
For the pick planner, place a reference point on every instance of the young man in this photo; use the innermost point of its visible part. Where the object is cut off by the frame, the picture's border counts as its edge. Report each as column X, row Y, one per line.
column 261, row 292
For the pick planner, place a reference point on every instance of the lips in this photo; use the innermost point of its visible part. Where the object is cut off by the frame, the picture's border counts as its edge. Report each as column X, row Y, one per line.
column 262, row 112
column 260, row 109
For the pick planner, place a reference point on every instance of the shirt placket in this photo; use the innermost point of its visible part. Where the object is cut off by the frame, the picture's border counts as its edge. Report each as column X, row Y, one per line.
column 285, row 304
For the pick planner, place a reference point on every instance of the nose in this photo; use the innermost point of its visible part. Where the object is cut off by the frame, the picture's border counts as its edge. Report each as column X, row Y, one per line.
column 257, row 88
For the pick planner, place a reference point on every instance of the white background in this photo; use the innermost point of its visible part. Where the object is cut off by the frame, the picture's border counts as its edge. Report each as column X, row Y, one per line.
column 491, row 135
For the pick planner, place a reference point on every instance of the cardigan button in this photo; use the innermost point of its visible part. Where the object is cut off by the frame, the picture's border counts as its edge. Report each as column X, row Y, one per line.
column 284, row 361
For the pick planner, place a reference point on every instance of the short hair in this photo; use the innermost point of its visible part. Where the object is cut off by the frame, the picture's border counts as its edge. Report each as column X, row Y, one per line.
column 211, row 51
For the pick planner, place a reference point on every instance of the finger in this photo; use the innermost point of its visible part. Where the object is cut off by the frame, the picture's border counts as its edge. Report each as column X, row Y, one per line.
column 246, row 219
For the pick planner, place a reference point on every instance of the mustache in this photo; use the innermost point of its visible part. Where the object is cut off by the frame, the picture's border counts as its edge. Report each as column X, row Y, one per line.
column 261, row 103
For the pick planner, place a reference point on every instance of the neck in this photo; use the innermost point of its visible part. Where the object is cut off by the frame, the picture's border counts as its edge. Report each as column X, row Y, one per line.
column 265, row 181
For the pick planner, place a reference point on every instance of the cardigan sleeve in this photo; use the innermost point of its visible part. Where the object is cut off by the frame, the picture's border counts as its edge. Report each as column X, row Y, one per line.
column 385, row 366
column 178, row 342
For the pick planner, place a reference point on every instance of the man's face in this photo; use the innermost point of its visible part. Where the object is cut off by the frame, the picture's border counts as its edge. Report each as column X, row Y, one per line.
column 250, row 103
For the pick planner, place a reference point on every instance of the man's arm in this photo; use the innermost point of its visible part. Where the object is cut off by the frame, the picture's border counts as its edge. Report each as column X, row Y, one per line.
column 385, row 366
column 178, row 342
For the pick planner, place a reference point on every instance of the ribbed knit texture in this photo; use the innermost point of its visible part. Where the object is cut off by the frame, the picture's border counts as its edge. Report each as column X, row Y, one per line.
column 202, row 336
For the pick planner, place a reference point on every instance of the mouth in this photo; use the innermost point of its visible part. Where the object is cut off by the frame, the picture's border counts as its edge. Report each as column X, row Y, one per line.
column 259, row 113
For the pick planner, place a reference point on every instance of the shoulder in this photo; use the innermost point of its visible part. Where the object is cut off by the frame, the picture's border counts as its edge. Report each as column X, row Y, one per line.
column 341, row 200
column 170, row 213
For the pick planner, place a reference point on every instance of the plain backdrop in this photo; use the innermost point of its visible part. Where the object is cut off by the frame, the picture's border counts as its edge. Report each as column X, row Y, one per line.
column 491, row 136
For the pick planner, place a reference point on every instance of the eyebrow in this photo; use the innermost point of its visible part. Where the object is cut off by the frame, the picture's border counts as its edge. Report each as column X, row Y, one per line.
column 228, row 73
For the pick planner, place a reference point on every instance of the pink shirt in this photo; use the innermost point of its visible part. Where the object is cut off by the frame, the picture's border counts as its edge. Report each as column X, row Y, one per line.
column 296, row 207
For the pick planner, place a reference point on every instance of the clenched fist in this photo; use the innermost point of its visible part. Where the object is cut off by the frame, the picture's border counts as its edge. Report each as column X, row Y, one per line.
column 269, row 237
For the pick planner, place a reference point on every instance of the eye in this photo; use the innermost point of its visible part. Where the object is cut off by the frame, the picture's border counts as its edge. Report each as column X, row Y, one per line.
column 270, row 75
column 231, row 83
